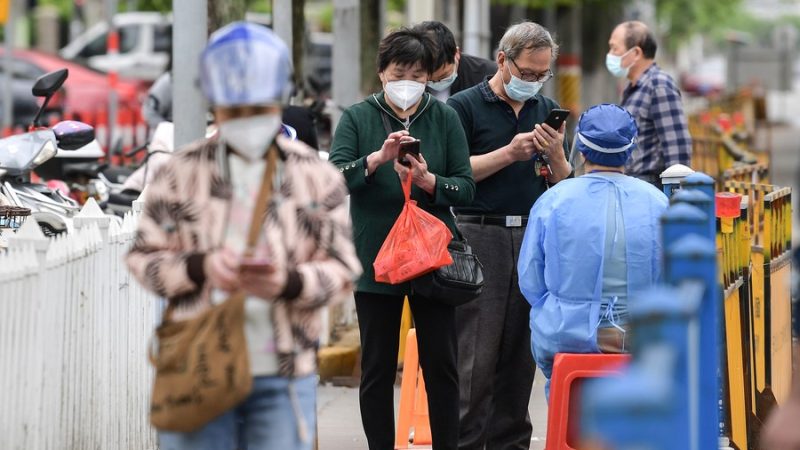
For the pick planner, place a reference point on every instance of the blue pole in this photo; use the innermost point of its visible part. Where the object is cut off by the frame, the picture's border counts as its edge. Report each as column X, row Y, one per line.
column 681, row 219
column 704, row 184
column 645, row 408
column 694, row 197
column 694, row 258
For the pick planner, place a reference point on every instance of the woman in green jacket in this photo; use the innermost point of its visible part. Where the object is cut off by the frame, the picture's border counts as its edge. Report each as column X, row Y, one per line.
column 367, row 154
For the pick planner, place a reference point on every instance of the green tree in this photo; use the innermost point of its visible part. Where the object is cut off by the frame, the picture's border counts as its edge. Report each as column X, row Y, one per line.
column 371, row 34
column 222, row 12
column 681, row 18
column 685, row 18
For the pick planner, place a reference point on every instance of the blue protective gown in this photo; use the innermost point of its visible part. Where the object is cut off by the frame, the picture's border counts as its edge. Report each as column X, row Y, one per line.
column 561, row 260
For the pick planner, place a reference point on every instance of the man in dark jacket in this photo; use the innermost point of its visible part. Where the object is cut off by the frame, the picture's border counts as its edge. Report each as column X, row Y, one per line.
column 455, row 71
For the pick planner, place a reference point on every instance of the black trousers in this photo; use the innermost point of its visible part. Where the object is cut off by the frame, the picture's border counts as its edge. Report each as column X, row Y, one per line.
column 495, row 364
column 379, row 322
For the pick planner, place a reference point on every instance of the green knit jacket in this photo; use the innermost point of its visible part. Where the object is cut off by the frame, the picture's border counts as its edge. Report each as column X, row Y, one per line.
column 376, row 200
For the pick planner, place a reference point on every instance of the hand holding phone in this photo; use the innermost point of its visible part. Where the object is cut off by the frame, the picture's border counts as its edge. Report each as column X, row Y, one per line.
column 556, row 118
column 255, row 264
column 408, row 148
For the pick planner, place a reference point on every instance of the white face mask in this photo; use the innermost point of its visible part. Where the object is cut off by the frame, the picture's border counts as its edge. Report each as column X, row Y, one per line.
column 404, row 93
column 251, row 136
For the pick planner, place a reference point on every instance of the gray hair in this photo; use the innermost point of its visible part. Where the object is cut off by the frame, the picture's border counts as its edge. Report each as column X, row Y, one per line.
column 527, row 36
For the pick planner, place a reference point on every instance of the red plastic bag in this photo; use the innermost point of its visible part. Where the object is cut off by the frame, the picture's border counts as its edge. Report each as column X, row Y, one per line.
column 416, row 244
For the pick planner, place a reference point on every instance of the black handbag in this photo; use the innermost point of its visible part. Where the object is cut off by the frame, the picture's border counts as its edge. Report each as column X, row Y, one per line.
column 454, row 284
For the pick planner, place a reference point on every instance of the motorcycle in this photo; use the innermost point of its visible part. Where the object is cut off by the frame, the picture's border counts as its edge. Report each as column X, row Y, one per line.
column 21, row 154
column 159, row 150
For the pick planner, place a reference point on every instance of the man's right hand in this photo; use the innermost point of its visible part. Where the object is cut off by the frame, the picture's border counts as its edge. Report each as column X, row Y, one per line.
column 521, row 148
column 222, row 269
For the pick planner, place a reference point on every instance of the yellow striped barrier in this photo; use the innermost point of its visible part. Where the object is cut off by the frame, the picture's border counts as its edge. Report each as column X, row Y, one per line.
column 755, row 266
column 747, row 173
column 733, row 249
column 778, row 307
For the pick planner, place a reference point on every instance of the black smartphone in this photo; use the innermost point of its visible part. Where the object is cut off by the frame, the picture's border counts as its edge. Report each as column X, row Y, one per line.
column 408, row 148
column 556, row 118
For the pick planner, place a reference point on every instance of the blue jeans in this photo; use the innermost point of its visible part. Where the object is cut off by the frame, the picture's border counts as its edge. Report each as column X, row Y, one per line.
column 266, row 420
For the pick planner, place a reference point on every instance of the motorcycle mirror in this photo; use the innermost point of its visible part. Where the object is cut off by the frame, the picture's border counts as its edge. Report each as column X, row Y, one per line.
column 49, row 83
column 72, row 135
column 46, row 86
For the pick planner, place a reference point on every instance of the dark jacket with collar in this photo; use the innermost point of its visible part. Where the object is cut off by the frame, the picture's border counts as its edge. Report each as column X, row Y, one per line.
column 471, row 71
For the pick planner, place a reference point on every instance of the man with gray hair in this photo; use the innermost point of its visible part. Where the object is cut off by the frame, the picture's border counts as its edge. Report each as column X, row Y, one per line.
column 653, row 99
column 515, row 157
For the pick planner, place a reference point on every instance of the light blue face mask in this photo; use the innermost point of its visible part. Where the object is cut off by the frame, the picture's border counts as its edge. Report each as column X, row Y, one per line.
column 444, row 83
column 520, row 90
column 614, row 65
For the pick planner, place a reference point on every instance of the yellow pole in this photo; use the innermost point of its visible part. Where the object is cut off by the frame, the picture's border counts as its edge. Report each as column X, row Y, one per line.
column 5, row 8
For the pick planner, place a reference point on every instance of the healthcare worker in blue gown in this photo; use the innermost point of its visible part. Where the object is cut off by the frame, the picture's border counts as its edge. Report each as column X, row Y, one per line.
column 591, row 242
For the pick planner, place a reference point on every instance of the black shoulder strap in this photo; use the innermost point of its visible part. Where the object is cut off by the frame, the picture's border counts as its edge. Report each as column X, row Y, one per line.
column 385, row 120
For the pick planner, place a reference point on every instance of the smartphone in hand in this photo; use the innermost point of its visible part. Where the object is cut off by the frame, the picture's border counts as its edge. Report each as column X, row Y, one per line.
column 556, row 118
column 408, row 148
column 255, row 264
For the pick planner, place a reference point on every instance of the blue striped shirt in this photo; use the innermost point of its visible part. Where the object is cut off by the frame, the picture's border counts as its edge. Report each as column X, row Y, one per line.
column 655, row 102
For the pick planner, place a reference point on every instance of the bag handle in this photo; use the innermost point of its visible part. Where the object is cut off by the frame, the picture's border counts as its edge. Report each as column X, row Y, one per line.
column 262, row 201
column 407, row 186
column 385, row 120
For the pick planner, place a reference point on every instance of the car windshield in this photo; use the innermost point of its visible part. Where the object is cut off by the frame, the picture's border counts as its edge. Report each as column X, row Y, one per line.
column 21, row 69
column 128, row 39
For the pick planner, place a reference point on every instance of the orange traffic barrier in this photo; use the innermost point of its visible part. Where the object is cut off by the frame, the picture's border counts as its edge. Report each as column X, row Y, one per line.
column 140, row 128
column 125, row 128
column 564, row 409
column 101, row 128
column 413, row 425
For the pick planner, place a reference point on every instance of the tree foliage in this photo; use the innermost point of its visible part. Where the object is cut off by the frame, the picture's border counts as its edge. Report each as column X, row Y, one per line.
column 680, row 18
column 684, row 18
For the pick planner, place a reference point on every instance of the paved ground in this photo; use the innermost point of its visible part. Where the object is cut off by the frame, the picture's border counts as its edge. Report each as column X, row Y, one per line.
column 340, row 419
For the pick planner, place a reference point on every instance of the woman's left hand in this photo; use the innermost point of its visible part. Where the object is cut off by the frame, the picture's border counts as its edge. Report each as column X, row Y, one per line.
column 419, row 173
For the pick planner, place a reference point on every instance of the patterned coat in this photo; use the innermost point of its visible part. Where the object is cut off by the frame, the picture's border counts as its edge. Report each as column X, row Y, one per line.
column 307, row 230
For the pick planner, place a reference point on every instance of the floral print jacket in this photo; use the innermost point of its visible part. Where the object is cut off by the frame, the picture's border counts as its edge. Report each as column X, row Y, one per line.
column 307, row 229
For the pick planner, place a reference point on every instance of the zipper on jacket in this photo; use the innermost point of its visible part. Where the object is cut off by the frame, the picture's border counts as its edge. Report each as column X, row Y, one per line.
column 391, row 113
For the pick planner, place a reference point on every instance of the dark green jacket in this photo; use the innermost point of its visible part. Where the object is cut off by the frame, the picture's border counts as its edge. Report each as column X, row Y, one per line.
column 376, row 201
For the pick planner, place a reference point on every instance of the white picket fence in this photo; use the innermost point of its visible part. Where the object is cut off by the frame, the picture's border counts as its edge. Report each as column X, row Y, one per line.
column 74, row 334
column 74, row 331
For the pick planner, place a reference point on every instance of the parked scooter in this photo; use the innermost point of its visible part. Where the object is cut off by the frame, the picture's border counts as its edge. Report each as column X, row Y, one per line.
column 159, row 150
column 20, row 154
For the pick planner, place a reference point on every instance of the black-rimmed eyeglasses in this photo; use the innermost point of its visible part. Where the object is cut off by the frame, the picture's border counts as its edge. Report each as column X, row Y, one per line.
column 533, row 77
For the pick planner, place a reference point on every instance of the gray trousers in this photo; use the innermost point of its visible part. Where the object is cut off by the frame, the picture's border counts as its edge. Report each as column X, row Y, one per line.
column 495, row 365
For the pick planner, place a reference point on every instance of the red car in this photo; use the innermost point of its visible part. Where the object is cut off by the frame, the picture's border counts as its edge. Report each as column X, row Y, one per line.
column 86, row 91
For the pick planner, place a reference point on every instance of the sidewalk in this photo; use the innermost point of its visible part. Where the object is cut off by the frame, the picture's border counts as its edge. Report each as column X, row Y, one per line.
column 340, row 419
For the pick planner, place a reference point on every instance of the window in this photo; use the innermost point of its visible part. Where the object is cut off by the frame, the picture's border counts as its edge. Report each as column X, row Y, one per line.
column 96, row 47
column 22, row 69
column 162, row 38
column 128, row 40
